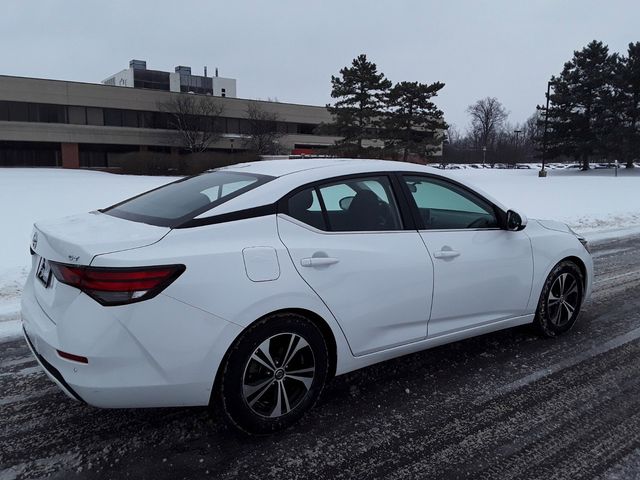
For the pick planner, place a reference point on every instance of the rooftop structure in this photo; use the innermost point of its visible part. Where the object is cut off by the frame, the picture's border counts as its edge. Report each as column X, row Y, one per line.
column 180, row 80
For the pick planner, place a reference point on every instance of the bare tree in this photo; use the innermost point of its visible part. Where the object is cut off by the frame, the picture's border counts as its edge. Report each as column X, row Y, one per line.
column 196, row 118
column 487, row 119
column 263, row 135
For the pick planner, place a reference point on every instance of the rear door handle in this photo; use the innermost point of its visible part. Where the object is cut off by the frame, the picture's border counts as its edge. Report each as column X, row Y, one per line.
column 318, row 261
column 446, row 254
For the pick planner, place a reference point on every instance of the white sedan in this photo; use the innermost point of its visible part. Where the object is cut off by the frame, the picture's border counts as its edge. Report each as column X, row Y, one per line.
column 250, row 286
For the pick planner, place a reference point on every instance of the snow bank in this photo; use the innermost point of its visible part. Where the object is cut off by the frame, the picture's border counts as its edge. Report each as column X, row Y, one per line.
column 595, row 203
column 31, row 194
column 590, row 202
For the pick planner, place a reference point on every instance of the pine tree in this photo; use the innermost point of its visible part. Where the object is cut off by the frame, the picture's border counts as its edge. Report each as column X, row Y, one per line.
column 628, row 88
column 413, row 123
column 582, row 123
column 360, row 91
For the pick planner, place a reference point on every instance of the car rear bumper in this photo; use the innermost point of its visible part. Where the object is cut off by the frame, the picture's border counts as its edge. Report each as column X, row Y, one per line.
column 51, row 371
column 164, row 354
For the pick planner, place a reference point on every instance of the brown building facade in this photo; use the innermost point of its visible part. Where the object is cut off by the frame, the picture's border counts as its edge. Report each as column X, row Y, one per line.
column 71, row 124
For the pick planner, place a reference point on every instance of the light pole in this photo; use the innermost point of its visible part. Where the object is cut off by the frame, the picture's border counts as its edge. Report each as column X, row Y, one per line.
column 484, row 155
column 517, row 132
column 543, row 172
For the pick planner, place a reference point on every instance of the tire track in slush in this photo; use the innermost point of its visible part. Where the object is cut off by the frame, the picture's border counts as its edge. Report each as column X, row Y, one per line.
column 504, row 405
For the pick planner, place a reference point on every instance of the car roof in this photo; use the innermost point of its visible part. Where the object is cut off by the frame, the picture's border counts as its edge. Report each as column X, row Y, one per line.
column 279, row 168
column 290, row 174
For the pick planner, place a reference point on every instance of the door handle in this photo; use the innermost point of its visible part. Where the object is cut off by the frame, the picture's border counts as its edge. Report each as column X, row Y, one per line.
column 446, row 254
column 318, row 261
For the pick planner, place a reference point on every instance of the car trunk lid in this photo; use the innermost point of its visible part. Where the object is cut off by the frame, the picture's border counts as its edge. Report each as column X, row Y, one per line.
column 76, row 240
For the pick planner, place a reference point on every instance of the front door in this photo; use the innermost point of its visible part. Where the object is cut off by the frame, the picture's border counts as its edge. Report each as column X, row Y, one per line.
column 482, row 273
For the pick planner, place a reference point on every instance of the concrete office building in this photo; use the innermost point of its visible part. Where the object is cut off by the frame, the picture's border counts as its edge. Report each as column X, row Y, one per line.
column 182, row 80
column 72, row 124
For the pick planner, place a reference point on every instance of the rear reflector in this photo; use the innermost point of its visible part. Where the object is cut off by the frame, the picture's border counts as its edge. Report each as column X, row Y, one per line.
column 117, row 286
column 72, row 357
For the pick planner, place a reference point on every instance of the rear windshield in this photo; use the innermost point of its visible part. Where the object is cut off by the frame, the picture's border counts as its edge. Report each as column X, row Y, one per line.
column 178, row 202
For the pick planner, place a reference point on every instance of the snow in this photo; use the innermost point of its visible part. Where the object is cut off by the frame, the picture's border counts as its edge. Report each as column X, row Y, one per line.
column 594, row 203
column 31, row 194
column 591, row 202
column 10, row 329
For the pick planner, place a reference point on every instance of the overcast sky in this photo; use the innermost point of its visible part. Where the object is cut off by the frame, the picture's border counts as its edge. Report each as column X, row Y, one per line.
column 288, row 49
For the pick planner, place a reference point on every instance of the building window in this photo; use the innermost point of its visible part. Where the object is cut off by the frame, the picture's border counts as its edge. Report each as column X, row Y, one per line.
column 112, row 117
column 18, row 112
column 306, row 128
column 95, row 116
column 51, row 113
column 245, row 126
column 233, row 125
column 29, row 154
column 130, row 118
column 77, row 115
column 151, row 79
column 145, row 119
column 4, row 111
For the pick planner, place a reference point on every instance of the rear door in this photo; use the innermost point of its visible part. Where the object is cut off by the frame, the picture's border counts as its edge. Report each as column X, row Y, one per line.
column 482, row 273
column 349, row 242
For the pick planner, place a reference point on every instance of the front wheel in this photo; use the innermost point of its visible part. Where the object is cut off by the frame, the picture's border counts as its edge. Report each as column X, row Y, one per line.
column 273, row 374
column 560, row 300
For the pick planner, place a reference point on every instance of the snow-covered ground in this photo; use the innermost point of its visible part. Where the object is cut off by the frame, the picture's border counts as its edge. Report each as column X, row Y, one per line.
column 31, row 194
column 594, row 203
column 590, row 202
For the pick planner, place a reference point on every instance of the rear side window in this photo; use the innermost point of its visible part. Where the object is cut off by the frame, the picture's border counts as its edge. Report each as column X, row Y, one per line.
column 351, row 205
column 305, row 206
column 177, row 202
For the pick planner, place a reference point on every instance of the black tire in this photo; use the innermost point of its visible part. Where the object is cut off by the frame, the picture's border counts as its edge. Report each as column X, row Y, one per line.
column 249, row 392
column 560, row 300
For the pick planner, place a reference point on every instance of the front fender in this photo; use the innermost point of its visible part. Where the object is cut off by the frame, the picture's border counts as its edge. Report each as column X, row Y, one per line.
column 551, row 246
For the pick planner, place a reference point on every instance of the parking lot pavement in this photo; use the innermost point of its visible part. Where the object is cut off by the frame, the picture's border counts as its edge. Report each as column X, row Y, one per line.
column 504, row 405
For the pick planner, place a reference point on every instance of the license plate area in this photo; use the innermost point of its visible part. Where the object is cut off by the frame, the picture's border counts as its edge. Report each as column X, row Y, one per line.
column 43, row 272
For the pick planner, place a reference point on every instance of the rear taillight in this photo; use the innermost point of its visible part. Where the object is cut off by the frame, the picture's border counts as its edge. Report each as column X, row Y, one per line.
column 117, row 286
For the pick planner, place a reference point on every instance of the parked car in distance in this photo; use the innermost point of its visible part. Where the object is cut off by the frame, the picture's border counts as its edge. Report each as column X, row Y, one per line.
column 248, row 287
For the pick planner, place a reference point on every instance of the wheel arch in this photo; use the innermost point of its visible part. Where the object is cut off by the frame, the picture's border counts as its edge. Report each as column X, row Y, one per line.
column 313, row 317
column 580, row 264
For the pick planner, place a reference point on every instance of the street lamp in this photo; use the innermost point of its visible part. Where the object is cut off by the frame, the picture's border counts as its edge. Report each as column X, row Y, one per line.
column 543, row 172
column 484, row 155
column 517, row 132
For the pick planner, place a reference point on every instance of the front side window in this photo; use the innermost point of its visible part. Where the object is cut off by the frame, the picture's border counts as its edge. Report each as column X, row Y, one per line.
column 177, row 202
column 351, row 205
column 445, row 206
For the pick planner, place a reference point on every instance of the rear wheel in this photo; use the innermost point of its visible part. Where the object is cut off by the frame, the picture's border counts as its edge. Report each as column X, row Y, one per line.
column 273, row 374
column 560, row 300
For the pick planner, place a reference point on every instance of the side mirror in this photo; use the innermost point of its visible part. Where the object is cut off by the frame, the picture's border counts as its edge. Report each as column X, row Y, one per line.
column 515, row 221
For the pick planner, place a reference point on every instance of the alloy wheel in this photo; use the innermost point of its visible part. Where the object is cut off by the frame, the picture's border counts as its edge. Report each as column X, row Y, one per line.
column 563, row 299
column 278, row 375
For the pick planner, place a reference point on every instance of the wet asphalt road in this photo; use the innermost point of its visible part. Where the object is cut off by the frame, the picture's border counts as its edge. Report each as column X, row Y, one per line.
column 504, row 405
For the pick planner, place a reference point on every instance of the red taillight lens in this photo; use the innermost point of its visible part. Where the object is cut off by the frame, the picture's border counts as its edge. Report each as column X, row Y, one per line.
column 118, row 286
